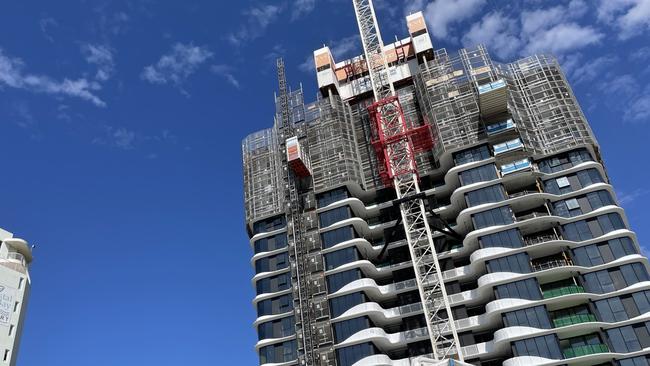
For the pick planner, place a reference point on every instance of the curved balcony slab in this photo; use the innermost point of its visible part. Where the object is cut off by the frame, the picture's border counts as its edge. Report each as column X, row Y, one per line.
column 269, row 295
column 357, row 206
column 266, row 234
column 374, row 291
column 270, row 341
column 592, row 359
column 369, row 269
column 385, row 341
column 488, row 281
column 268, row 318
column 379, row 315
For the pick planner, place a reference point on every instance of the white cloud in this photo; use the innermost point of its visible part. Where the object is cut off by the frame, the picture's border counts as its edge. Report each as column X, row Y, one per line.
column 257, row 20
column 553, row 29
column 641, row 54
column 176, row 66
column 630, row 17
column 620, row 85
column 13, row 76
column 589, row 71
column 302, row 7
column 628, row 198
column 45, row 24
column 341, row 49
column 638, row 110
column 562, row 38
column 102, row 57
column 123, row 138
column 226, row 72
column 498, row 31
column 442, row 15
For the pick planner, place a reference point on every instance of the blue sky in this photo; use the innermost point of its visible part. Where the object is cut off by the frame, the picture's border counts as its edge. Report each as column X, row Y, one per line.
column 121, row 124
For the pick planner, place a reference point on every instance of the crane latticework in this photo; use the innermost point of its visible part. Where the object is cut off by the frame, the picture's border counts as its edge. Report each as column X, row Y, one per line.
column 397, row 152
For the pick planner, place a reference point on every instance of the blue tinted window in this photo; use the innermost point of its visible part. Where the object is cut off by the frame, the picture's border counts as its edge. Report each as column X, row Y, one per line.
column 347, row 356
column 273, row 284
column 270, row 224
column 611, row 310
column 470, row 155
column 278, row 353
column 341, row 257
column 536, row 317
column 489, row 194
column 623, row 339
column 333, row 237
column 341, row 304
column 518, row 263
column 589, row 177
column 545, row 346
column 496, row 216
column 327, row 198
column 346, row 328
column 336, row 281
column 330, row 217
column 527, row 289
column 271, row 243
column 482, row 173
column 277, row 305
column 278, row 328
column 503, row 239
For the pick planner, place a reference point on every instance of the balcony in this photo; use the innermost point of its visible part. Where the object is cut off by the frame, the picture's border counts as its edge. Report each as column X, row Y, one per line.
column 573, row 319
column 586, row 350
column 548, row 264
column 507, row 146
column 522, row 193
column 497, row 128
column 531, row 215
column 561, row 291
column 540, row 238
column 516, row 166
column 493, row 98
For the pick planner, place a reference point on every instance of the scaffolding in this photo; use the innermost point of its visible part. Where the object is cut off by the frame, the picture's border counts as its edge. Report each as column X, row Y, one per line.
column 412, row 126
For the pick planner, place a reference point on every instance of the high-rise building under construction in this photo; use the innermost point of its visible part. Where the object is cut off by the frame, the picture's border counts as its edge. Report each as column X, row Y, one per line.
column 433, row 208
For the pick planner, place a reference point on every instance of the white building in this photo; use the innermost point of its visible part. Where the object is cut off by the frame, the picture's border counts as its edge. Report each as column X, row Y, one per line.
column 15, row 256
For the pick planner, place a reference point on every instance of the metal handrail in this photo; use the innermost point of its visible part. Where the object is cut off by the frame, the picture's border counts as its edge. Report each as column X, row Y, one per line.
column 551, row 264
column 532, row 240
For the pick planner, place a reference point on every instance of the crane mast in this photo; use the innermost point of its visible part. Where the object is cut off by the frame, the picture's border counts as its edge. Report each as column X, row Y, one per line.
column 395, row 137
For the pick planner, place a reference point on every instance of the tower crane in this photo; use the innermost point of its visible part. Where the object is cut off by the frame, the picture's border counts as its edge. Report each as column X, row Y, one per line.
column 397, row 153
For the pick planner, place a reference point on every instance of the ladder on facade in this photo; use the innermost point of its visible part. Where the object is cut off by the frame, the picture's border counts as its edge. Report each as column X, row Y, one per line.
column 398, row 154
column 305, row 289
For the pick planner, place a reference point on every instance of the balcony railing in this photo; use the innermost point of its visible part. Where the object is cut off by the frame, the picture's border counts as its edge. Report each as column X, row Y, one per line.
column 550, row 264
column 566, row 290
column 521, row 193
column 573, row 319
column 516, row 166
column 589, row 349
column 500, row 127
column 410, row 308
column 531, row 215
column 482, row 89
column 532, row 240
column 507, row 146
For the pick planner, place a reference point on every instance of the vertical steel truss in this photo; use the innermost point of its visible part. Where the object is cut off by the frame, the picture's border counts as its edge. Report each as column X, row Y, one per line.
column 399, row 157
column 294, row 224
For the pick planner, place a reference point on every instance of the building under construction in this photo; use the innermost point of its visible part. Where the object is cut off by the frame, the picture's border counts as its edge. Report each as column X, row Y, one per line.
column 434, row 208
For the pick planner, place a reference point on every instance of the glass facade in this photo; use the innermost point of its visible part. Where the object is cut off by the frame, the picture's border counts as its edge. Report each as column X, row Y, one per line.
column 561, row 268
column 483, row 173
column 472, row 155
